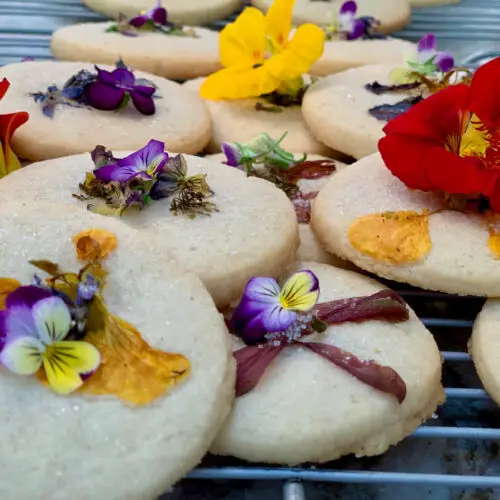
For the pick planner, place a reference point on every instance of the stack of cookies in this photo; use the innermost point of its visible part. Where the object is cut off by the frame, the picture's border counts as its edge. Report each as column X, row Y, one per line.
column 190, row 266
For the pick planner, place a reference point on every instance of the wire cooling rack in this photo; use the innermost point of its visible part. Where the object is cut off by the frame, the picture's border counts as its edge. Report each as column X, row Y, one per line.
column 454, row 456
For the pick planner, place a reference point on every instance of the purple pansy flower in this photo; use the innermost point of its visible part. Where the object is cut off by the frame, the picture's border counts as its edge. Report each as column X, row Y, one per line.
column 145, row 164
column 347, row 22
column 266, row 308
column 114, row 88
column 157, row 15
column 427, row 51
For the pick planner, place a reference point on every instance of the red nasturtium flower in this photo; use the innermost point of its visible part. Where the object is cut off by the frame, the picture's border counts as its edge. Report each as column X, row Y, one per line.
column 450, row 142
column 8, row 125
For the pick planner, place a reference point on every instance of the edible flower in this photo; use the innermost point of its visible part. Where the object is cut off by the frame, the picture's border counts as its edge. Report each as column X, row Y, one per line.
column 259, row 58
column 449, row 143
column 269, row 319
column 149, row 174
column 8, row 125
column 113, row 90
column 426, row 60
column 34, row 327
column 346, row 26
column 155, row 19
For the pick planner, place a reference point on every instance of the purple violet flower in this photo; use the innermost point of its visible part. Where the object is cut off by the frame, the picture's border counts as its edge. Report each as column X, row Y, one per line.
column 113, row 89
column 347, row 22
column 427, row 51
column 145, row 164
column 265, row 308
column 157, row 15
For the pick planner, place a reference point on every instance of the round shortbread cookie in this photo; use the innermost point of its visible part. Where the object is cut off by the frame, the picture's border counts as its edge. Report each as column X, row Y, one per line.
column 191, row 12
column 336, row 109
column 181, row 119
column 175, row 57
column 393, row 15
column 305, row 409
column 459, row 260
column 254, row 231
column 239, row 121
column 342, row 55
column 83, row 446
column 484, row 347
column 309, row 249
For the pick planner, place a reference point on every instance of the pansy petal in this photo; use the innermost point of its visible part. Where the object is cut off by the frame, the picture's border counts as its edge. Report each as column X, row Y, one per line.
column 3, row 332
column 105, row 76
column 145, row 90
column 138, row 21
column 159, row 15
column 19, row 322
column 124, row 77
column 427, row 43
column 243, row 42
column 66, row 361
column 275, row 318
column 357, row 30
column 22, row 355
column 8, row 126
column 143, row 103
column 26, row 296
column 116, row 172
column 300, row 292
column 104, row 97
column 444, row 61
column 263, row 290
column 279, row 21
column 52, row 319
column 232, row 153
column 239, row 83
column 348, row 7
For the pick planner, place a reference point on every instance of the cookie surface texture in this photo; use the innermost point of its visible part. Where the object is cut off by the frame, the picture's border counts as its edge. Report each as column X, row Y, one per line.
column 239, row 121
column 305, row 409
column 83, row 446
column 175, row 57
column 459, row 259
column 194, row 12
column 336, row 109
column 181, row 119
column 254, row 231
column 393, row 15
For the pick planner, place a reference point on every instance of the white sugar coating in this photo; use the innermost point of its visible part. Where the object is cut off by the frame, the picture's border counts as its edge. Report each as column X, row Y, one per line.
column 254, row 233
column 181, row 119
column 459, row 261
column 394, row 15
column 192, row 12
column 309, row 248
column 305, row 409
column 342, row 55
column 336, row 109
column 484, row 347
column 84, row 446
column 239, row 121
column 176, row 57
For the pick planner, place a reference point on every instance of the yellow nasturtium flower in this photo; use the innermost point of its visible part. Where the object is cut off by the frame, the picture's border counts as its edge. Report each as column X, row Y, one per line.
column 258, row 56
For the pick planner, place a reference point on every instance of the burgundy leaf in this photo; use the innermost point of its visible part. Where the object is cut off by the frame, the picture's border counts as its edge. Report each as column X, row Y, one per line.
column 314, row 169
column 386, row 112
column 379, row 89
column 382, row 378
column 251, row 363
column 385, row 305
column 302, row 205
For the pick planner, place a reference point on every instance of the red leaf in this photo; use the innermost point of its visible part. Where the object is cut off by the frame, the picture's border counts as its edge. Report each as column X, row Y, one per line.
column 314, row 169
column 302, row 205
column 382, row 378
column 251, row 363
column 385, row 305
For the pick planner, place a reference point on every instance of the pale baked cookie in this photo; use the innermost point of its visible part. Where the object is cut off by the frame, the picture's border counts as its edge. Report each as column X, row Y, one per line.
column 115, row 439
column 190, row 12
column 253, row 231
column 336, row 109
column 393, row 15
column 170, row 56
column 306, row 408
column 309, row 248
column 484, row 347
column 340, row 55
column 452, row 255
column 180, row 119
column 239, row 121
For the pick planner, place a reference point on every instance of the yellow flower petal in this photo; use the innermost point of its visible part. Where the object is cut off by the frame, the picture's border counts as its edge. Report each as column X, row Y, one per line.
column 243, row 42
column 279, row 21
column 299, row 53
column 7, row 286
column 238, row 83
column 22, row 355
column 400, row 76
column 394, row 237
column 300, row 292
column 94, row 244
column 63, row 363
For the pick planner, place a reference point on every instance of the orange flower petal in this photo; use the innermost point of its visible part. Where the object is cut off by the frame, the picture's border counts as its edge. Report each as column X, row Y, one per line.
column 7, row 286
column 394, row 237
column 8, row 125
column 94, row 244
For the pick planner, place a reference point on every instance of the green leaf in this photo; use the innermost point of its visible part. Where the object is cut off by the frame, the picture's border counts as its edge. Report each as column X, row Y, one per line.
column 124, row 103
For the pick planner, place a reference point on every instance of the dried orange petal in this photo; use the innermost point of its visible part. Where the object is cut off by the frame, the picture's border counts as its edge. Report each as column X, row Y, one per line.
column 94, row 244
column 394, row 237
column 7, row 286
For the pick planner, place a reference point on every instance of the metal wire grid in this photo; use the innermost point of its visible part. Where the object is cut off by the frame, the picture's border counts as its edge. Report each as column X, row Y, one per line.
column 25, row 29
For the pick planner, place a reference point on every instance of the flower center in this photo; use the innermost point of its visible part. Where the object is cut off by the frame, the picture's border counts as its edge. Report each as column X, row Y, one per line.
column 475, row 140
